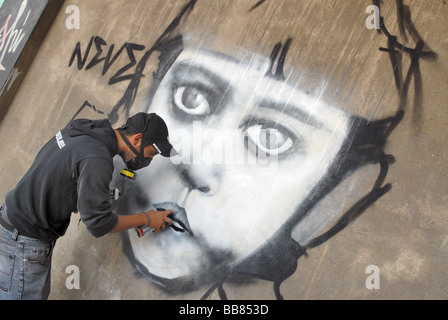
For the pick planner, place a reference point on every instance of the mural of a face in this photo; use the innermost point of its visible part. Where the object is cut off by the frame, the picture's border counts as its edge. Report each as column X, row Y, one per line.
column 252, row 147
column 258, row 155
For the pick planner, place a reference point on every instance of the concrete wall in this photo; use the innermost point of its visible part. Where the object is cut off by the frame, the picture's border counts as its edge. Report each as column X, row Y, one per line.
column 338, row 186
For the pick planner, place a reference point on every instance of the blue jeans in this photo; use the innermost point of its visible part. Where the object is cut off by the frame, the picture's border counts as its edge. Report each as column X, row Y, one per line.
column 25, row 267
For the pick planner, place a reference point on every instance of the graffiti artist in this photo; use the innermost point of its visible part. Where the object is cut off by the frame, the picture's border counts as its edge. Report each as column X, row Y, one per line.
column 72, row 173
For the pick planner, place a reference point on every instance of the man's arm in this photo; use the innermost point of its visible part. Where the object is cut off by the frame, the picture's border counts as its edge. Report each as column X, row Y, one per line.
column 157, row 220
column 93, row 179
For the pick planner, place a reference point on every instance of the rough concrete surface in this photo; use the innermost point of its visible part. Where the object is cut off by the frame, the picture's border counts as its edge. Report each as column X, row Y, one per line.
column 333, row 57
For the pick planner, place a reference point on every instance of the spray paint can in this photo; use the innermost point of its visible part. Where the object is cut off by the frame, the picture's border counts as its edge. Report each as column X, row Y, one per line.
column 142, row 230
column 145, row 229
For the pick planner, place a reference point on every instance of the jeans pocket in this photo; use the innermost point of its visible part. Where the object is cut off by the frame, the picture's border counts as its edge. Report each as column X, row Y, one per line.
column 6, row 271
column 38, row 254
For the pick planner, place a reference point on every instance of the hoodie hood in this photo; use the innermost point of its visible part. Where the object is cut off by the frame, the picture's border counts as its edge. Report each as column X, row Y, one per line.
column 98, row 129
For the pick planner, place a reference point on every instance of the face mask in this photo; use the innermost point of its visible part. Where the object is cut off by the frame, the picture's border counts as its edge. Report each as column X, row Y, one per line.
column 138, row 162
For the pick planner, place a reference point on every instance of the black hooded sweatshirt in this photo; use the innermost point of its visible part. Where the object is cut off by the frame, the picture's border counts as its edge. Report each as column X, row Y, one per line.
column 72, row 172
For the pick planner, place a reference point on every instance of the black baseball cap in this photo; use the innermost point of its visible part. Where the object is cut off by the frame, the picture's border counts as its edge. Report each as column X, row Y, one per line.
column 154, row 130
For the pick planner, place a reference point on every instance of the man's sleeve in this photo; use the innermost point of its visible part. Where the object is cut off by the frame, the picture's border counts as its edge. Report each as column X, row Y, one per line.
column 93, row 203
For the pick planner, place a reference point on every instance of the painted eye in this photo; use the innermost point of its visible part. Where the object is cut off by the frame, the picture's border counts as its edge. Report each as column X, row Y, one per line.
column 271, row 140
column 191, row 101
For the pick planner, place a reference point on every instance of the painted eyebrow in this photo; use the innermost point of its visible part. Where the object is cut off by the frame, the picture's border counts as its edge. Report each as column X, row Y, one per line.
column 195, row 69
column 292, row 111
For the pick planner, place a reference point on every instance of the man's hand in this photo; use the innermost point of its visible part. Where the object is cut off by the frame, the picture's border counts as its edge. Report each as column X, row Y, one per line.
column 159, row 219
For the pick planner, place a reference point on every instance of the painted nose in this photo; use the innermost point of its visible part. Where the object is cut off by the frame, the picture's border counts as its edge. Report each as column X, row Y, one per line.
column 201, row 178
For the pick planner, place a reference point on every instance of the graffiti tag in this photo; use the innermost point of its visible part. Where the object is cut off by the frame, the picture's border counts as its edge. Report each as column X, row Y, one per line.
column 10, row 34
